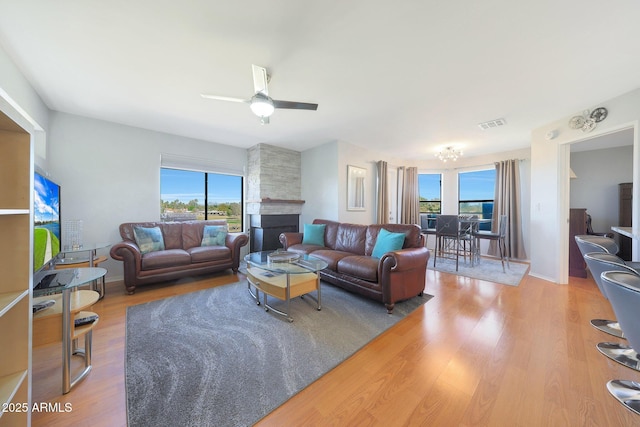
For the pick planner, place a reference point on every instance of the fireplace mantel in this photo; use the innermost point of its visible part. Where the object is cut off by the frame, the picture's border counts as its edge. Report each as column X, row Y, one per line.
column 270, row 200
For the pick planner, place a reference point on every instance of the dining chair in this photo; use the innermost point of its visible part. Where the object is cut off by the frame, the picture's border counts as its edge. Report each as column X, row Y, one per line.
column 468, row 225
column 598, row 263
column 623, row 290
column 447, row 238
column 499, row 237
column 426, row 229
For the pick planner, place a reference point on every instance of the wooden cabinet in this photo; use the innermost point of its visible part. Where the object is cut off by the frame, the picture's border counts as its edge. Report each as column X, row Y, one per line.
column 16, row 205
column 577, row 226
column 625, row 191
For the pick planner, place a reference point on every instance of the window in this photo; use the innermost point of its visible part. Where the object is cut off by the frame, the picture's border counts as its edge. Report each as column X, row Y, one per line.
column 188, row 195
column 475, row 194
column 430, row 189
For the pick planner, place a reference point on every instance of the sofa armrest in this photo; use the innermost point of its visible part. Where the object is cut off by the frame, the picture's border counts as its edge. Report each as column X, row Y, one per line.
column 235, row 241
column 402, row 274
column 126, row 251
column 404, row 259
column 129, row 253
column 290, row 239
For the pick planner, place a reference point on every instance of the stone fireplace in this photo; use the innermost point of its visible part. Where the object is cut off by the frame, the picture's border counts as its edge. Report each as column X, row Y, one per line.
column 273, row 195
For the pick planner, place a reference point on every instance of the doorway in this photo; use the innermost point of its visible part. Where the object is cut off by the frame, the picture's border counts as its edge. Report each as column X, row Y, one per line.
column 598, row 166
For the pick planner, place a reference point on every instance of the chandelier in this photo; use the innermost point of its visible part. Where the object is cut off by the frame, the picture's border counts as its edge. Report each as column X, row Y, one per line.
column 449, row 153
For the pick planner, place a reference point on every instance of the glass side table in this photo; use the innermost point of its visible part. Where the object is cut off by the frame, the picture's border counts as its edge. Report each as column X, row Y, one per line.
column 284, row 280
column 82, row 277
column 84, row 256
column 73, row 253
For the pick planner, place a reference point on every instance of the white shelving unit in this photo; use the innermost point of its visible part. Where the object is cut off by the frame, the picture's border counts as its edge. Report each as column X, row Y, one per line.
column 16, row 204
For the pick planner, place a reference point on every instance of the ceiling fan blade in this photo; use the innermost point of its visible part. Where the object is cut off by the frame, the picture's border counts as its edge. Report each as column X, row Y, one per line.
column 224, row 98
column 294, row 105
column 260, row 79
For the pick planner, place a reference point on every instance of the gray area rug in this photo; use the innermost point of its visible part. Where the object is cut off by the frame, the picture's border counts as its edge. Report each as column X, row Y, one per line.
column 488, row 269
column 215, row 358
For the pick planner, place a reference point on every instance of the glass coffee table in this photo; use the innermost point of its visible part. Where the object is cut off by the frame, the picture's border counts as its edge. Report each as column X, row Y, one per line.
column 283, row 275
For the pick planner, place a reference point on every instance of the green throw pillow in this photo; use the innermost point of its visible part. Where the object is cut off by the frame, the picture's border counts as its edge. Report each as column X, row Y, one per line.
column 313, row 234
column 214, row 235
column 148, row 239
column 387, row 242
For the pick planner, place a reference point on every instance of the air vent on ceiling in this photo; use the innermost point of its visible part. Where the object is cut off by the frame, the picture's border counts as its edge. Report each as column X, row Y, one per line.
column 492, row 124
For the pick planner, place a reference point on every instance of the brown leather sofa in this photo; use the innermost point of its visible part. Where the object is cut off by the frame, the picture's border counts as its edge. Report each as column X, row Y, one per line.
column 396, row 276
column 183, row 254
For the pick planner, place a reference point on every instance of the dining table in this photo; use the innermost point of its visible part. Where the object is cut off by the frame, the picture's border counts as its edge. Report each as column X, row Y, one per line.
column 468, row 224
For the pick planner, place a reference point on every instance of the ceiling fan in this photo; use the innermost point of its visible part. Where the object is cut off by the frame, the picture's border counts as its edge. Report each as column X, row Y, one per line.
column 260, row 103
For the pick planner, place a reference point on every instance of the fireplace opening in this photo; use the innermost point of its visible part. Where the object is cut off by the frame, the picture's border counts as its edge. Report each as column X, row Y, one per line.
column 265, row 230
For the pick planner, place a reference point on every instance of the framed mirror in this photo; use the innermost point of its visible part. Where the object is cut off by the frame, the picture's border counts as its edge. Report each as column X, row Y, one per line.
column 356, row 178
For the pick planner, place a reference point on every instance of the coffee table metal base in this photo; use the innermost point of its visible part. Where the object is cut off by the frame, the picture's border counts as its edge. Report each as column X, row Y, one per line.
column 284, row 287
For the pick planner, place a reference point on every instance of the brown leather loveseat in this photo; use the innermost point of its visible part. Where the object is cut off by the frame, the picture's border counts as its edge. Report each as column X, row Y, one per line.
column 395, row 276
column 182, row 252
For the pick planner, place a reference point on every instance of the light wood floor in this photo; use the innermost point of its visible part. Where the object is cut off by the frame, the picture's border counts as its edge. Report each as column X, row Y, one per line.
column 477, row 354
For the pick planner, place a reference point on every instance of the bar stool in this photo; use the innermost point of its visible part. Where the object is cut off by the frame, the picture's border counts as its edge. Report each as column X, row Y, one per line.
column 624, row 354
column 598, row 263
column 623, row 290
column 588, row 243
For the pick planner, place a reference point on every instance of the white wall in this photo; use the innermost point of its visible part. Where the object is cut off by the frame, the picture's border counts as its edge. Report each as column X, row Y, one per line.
column 550, row 183
column 20, row 102
column 320, row 183
column 324, row 182
column 110, row 173
column 596, row 187
column 349, row 154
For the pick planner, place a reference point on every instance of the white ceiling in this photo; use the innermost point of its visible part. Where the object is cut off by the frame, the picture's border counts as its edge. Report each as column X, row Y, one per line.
column 406, row 77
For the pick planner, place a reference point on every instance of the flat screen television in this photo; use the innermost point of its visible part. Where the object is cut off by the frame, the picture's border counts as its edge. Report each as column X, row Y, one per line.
column 46, row 221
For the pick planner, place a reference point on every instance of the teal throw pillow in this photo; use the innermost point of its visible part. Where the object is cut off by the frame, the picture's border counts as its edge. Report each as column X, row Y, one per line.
column 214, row 235
column 387, row 242
column 313, row 234
column 148, row 239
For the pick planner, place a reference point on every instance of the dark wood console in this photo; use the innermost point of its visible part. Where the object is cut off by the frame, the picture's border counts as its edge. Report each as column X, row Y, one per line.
column 625, row 219
column 577, row 226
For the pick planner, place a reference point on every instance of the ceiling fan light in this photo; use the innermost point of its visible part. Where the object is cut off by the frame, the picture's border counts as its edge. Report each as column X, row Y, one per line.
column 261, row 105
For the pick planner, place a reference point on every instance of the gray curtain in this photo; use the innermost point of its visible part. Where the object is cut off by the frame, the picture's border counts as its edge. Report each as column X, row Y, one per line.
column 507, row 202
column 410, row 197
column 382, row 206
